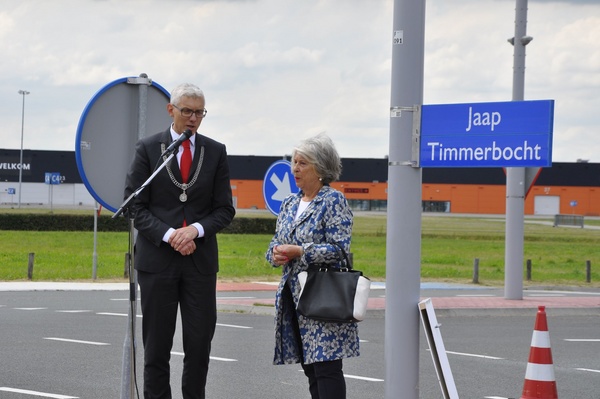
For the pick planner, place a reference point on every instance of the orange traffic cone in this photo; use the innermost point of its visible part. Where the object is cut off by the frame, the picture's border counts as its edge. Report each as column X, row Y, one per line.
column 539, row 377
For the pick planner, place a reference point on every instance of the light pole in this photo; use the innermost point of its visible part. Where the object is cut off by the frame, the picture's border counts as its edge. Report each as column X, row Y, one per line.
column 23, row 93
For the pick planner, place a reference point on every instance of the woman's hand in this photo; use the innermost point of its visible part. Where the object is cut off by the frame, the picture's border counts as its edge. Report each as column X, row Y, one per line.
column 282, row 254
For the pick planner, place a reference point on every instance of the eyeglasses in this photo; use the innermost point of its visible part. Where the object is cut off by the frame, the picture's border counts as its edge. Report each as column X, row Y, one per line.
column 187, row 113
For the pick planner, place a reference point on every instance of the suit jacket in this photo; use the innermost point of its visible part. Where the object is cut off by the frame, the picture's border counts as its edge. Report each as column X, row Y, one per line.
column 157, row 207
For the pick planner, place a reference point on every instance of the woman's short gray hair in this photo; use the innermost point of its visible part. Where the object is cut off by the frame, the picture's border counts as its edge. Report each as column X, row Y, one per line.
column 320, row 151
column 185, row 90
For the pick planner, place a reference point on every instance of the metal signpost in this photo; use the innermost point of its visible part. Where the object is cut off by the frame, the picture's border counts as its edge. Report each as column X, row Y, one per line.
column 403, row 241
column 51, row 178
column 516, row 177
column 23, row 93
column 11, row 191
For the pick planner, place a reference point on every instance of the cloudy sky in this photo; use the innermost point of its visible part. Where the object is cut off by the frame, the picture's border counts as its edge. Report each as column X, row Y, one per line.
column 276, row 71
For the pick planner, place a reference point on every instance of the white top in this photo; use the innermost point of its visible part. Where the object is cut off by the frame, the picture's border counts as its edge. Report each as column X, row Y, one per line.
column 301, row 207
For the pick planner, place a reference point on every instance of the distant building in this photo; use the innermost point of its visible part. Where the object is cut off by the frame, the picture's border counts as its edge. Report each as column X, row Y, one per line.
column 565, row 188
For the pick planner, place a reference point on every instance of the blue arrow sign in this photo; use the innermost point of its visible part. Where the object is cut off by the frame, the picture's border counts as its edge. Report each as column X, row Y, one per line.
column 502, row 134
column 278, row 184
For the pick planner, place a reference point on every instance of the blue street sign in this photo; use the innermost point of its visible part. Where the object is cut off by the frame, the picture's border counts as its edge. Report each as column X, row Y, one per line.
column 502, row 134
column 12, row 191
column 278, row 184
column 52, row 178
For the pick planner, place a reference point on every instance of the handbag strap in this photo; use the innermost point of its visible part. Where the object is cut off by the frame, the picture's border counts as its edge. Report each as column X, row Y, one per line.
column 343, row 255
column 344, row 259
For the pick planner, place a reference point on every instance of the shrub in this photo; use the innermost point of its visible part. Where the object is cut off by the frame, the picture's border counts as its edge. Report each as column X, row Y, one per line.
column 58, row 222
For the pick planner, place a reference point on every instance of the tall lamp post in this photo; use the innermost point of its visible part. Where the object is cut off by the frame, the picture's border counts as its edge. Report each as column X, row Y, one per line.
column 23, row 93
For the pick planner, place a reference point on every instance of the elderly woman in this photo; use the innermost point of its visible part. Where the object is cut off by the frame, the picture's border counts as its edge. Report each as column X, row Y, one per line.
column 308, row 225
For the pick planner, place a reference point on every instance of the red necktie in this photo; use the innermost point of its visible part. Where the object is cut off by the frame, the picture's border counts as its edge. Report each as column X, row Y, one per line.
column 186, row 161
column 185, row 164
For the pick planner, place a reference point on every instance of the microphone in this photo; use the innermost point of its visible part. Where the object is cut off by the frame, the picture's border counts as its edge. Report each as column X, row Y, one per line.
column 175, row 144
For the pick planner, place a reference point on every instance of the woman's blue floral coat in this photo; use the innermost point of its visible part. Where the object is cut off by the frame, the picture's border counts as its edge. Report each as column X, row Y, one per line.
column 327, row 219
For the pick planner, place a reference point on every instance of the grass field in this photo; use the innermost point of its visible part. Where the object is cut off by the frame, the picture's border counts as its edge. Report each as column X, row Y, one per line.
column 449, row 246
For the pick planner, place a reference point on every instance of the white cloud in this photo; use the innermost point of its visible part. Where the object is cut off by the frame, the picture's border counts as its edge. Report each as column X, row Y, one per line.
column 275, row 71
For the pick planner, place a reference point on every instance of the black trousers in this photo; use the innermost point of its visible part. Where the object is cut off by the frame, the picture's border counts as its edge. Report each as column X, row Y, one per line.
column 325, row 379
column 180, row 285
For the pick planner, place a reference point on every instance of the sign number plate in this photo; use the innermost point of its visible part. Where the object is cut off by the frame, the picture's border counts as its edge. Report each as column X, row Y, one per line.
column 398, row 37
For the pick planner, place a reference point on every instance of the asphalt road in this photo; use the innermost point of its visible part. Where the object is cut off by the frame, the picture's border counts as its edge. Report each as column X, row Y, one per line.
column 70, row 344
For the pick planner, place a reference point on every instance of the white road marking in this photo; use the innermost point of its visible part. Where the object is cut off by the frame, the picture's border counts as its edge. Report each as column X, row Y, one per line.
column 592, row 370
column 474, row 355
column 35, row 393
column 221, row 359
column 73, row 311
column 581, row 340
column 115, row 314
column 111, row 314
column 30, row 308
column 232, row 326
column 76, row 341
column 125, row 314
column 357, row 377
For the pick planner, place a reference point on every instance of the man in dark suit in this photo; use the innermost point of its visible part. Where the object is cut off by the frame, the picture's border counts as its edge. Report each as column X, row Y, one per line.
column 176, row 255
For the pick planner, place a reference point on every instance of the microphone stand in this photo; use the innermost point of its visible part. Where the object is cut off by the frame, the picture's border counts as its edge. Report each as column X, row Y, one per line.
column 130, row 338
column 125, row 205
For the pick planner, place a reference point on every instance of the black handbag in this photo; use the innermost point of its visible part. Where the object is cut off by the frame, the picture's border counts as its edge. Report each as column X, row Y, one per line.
column 331, row 294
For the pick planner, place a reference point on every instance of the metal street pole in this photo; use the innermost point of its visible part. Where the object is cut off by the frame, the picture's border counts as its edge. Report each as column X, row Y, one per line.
column 23, row 93
column 403, row 244
column 128, row 377
column 516, row 178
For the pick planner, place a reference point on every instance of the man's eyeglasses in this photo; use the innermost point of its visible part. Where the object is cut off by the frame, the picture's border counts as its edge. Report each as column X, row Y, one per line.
column 186, row 112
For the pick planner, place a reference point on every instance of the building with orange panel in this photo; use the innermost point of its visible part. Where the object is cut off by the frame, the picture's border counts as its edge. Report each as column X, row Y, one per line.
column 564, row 188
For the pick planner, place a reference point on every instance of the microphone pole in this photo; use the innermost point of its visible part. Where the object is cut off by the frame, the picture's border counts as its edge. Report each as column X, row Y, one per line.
column 130, row 338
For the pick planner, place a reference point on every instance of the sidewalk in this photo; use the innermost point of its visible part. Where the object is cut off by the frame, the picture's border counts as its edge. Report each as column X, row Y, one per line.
column 556, row 301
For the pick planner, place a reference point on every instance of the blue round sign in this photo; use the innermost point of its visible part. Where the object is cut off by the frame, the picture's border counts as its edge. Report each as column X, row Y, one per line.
column 278, row 184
